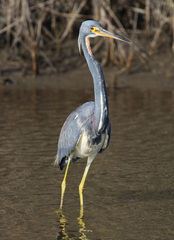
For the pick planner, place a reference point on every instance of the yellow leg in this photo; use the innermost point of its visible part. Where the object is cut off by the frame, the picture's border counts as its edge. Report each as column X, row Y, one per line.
column 63, row 186
column 81, row 186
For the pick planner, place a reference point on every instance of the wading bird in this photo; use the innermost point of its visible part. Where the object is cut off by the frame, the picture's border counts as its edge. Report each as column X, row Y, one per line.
column 86, row 131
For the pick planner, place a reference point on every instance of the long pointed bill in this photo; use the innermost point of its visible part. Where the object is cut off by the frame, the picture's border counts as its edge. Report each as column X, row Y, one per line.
column 104, row 33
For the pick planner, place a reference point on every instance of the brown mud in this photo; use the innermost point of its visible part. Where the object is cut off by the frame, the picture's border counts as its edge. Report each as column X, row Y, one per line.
column 73, row 73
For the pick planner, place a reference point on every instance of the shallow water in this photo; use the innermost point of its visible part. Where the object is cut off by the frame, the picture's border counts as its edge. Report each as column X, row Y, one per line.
column 129, row 191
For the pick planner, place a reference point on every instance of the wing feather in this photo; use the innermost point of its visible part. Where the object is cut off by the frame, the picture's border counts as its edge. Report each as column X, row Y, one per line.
column 107, row 137
column 71, row 132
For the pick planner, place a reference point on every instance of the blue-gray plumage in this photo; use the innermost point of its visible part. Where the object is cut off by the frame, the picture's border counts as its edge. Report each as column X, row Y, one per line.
column 86, row 131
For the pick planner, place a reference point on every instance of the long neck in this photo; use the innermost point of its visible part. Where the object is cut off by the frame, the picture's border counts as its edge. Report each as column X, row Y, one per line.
column 101, row 100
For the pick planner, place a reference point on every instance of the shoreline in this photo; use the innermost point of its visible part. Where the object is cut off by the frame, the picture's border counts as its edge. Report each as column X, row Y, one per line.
column 157, row 74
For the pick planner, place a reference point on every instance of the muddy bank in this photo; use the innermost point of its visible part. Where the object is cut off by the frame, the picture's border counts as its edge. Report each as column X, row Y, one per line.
column 158, row 74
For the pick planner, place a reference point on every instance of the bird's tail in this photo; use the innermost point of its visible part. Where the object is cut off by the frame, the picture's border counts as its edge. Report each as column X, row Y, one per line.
column 56, row 161
column 60, row 163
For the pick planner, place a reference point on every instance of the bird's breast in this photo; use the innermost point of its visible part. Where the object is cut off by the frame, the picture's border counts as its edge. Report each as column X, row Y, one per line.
column 87, row 145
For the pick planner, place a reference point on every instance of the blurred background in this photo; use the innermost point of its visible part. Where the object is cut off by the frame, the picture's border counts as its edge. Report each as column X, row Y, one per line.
column 37, row 35
column 129, row 189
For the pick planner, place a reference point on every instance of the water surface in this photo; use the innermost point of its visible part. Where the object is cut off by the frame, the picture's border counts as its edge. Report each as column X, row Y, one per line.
column 129, row 190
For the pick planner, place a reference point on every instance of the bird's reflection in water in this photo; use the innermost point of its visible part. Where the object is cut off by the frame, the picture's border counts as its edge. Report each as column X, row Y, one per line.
column 82, row 230
column 82, row 227
column 62, row 233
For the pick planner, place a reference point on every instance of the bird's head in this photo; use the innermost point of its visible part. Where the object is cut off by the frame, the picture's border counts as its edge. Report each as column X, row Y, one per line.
column 92, row 28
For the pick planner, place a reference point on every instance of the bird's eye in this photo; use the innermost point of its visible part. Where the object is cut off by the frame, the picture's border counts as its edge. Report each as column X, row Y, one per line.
column 91, row 28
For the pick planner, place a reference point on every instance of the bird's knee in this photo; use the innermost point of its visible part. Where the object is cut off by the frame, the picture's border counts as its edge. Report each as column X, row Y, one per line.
column 81, row 188
column 63, row 185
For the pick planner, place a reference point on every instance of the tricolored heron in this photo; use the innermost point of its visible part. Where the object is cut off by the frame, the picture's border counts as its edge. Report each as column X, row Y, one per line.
column 86, row 131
